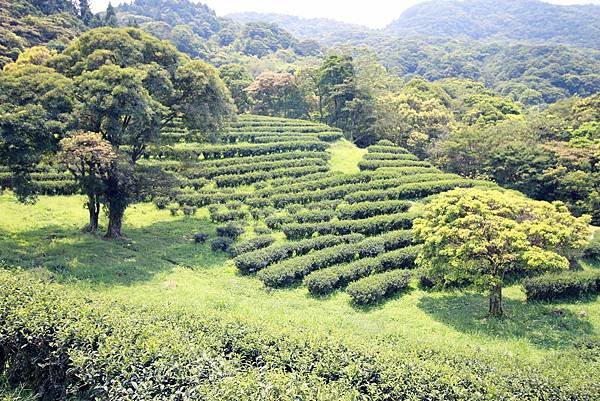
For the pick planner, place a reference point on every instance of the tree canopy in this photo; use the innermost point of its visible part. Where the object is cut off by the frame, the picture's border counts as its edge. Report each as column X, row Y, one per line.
column 480, row 237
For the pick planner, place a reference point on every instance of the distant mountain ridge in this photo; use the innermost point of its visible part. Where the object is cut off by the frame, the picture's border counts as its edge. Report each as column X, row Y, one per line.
column 522, row 20
column 302, row 28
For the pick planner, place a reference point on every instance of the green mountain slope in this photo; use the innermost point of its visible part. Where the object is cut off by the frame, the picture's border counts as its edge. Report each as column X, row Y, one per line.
column 526, row 20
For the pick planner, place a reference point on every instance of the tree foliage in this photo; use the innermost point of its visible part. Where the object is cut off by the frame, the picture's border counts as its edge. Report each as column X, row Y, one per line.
column 480, row 237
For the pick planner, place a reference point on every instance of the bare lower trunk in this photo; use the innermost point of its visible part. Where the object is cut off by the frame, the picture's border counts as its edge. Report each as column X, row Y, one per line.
column 496, row 302
column 93, row 207
column 115, row 222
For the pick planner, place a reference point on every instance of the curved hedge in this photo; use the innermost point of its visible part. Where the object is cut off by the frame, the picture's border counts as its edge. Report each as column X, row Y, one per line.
column 189, row 151
column 327, row 280
column 364, row 210
column 386, row 149
column 368, row 226
column 233, row 180
column 413, row 190
column 375, row 164
column 372, row 289
column 549, row 287
column 291, row 270
column 389, row 156
column 206, row 198
column 250, row 245
column 254, row 261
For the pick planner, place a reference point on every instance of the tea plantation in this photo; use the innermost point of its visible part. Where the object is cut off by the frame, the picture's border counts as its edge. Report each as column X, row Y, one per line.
column 282, row 269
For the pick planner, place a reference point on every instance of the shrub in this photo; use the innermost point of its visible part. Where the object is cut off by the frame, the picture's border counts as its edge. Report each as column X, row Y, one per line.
column 372, row 289
column 161, row 202
column 221, row 244
column 251, row 245
column 219, row 214
column 370, row 226
column 254, row 261
column 568, row 284
column 189, row 211
column 385, row 142
column 327, row 280
column 231, row 230
column 375, row 164
column 93, row 348
column 592, row 250
column 200, row 238
column 291, row 270
column 370, row 209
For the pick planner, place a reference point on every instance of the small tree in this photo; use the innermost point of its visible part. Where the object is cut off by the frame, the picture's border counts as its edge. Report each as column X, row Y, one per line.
column 479, row 236
column 89, row 158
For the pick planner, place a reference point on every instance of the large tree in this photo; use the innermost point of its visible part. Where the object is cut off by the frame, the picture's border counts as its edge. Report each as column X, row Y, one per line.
column 36, row 110
column 277, row 94
column 123, row 84
column 481, row 236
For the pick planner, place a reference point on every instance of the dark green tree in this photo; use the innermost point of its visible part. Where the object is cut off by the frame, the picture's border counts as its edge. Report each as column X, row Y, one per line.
column 110, row 17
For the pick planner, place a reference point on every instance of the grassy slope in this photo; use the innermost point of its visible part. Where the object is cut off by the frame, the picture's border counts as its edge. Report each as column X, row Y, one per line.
column 161, row 264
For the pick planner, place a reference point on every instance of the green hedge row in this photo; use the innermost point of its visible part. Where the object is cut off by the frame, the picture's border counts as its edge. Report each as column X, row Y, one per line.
column 250, row 245
column 206, row 198
column 375, row 164
column 372, row 289
column 326, row 182
column 369, row 226
column 291, row 270
column 327, row 280
column 568, row 284
column 269, row 136
column 192, row 152
column 283, row 197
column 271, row 187
column 386, row 149
column 201, row 165
column 413, row 190
column 364, row 210
column 254, row 261
column 389, row 156
column 234, row 180
column 301, row 129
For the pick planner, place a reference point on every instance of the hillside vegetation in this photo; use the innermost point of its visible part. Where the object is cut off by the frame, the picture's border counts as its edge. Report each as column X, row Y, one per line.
column 526, row 20
column 233, row 321
column 264, row 207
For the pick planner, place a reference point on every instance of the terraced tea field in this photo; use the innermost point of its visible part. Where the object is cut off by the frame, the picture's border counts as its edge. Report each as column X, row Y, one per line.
column 288, row 247
column 274, row 175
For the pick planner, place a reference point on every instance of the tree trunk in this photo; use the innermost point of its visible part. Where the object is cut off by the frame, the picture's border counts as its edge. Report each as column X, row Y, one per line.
column 115, row 221
column 496, row 301
column 93, row 207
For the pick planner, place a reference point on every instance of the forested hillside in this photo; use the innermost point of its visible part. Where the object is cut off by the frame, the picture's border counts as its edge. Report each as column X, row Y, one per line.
column 523, row 20
column 196, row 30
column 24, row 24
column 320, row 29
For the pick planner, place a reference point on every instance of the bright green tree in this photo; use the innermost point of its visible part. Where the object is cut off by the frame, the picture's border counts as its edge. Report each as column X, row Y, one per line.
column 481, row 236
column 237, row 78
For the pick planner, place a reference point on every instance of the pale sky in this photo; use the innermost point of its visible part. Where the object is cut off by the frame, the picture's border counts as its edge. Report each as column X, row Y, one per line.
column 373, row 13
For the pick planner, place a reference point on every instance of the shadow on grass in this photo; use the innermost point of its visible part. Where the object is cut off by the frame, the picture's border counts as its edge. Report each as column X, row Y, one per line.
column 542, row 325
column 74, row 256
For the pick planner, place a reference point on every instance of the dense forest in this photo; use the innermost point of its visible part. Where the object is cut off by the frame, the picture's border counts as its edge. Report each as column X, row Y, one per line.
column 269, row 207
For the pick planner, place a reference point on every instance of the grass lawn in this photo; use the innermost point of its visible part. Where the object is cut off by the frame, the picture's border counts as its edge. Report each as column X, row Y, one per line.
column 160, row 263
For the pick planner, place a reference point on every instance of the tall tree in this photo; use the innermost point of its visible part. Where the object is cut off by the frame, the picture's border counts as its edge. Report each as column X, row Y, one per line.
column 110, row 17
column 237, row 78
column 123, row 84
column 277, row 94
